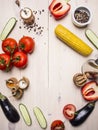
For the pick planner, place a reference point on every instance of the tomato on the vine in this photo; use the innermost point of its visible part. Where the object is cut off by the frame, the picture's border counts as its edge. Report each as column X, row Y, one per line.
column 69, row 111
column 20, row 59
column 5, row 62
column 26, row 44
column 9, row 46
column 57, row 125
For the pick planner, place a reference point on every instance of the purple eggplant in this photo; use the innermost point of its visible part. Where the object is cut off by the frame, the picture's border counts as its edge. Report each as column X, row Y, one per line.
column 9, row 110
column 82, row 114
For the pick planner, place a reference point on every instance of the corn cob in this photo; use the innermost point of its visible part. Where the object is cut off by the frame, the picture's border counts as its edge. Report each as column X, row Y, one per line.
column 72, row 40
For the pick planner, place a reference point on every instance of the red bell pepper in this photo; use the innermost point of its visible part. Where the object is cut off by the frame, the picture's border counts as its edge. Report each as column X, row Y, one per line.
column 59, row 8
column 90, row 91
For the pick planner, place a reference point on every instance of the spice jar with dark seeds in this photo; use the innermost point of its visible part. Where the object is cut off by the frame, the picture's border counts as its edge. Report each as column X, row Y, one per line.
column 81, row 16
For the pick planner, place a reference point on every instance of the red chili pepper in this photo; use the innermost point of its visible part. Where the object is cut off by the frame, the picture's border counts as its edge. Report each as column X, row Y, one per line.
column 90, row 91
column 59, row 8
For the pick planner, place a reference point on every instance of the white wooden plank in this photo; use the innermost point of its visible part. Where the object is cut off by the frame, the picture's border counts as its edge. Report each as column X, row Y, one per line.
column 50, row 68
column 63, row 64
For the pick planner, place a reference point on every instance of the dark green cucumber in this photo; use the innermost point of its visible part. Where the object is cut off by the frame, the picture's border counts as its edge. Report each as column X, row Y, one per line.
column 8, row 28
column 40, row 117
column 92, row 37
column 25, row 114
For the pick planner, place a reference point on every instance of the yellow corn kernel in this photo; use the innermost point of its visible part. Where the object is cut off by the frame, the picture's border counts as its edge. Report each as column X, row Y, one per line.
column 72, row 40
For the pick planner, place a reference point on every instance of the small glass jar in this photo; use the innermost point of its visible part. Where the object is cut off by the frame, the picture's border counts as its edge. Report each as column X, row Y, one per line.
column 27, row 15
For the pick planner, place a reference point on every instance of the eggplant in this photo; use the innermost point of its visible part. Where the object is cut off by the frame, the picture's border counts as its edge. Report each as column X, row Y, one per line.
column 9, row 110
column 82, row 114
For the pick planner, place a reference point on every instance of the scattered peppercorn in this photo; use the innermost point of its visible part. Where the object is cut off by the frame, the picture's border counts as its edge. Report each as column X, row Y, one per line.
column 35, row 27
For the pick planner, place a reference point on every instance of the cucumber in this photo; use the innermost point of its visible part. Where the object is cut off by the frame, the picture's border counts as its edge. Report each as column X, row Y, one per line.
column 40, row 117
column 8, row 28
column 92, row 37
column 25, row 114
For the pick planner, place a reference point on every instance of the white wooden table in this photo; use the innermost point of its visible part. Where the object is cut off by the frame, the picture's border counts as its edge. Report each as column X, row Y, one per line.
column 50, row 68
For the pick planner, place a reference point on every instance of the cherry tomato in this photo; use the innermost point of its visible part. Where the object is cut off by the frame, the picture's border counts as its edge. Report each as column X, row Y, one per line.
column 20, row 59
column 9, row 46
column 69, row 111
column 26, row 44
column 57, row 125
column 5, row 62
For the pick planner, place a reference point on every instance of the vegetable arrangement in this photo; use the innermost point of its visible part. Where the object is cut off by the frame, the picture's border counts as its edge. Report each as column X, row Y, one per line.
column 16, row 53
column 17, row 87
column 89, row 89
column 76, row 118
column 81, row 115
column 88, row 80
column 13, row 116
column 38, row 114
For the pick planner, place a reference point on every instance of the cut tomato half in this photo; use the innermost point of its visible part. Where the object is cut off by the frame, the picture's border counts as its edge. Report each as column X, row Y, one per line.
column 69, row 111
